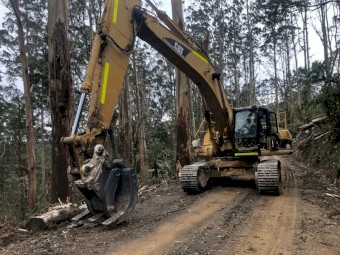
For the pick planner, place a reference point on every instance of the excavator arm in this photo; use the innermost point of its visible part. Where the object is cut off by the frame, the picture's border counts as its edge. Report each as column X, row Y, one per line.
column 110, row 187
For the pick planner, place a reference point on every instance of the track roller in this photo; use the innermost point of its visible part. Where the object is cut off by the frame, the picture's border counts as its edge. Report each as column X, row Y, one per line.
column 194, row 178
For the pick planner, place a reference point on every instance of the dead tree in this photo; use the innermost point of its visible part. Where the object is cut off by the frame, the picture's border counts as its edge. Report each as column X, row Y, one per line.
column 61, row 95
column 183, row 150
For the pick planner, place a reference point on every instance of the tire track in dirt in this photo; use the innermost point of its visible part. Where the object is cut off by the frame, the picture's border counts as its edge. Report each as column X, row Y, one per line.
column 271, row 227
column 212, row 234
column 182, row 228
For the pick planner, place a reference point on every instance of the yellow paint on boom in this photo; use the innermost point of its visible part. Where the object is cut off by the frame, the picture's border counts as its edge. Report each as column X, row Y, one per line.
column 115, row 12
column 200, row 56
column 104, row 83
column 239, row 154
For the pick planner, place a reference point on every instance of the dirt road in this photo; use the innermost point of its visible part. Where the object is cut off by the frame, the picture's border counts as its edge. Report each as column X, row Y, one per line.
column 233, row 219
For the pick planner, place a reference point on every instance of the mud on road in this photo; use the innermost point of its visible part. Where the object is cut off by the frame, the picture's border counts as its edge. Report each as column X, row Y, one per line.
column 233, row 219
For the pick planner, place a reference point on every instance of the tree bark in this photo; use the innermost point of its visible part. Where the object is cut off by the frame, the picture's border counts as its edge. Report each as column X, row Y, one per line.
column 325, row 41
column 61, row 95
column 183, row 147
column 32, row 182
column 124, row 121
column 275, row 75
column 235, row 63
column 141, row 124
column 297, row 71
column 252, row 90
column 42, row 154
column 289, row 80
column 55, row 214
column 306, row 52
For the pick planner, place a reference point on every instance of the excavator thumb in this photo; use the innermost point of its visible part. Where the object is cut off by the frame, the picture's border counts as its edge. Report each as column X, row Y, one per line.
column 120, row 203
column 110, row 189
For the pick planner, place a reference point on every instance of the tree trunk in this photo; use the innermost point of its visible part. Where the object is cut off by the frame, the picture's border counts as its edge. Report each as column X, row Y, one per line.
column 275, row 76
column 235, row 56
column 252, row 90
column 297, row 71
column 61, row 95
column 306, row 52
column 141, row 125
column 183, row 149
column 124, row 121
column 32, row 182
column 89, row 12
column 290, row 99
column 325, row 41
column 42, row 154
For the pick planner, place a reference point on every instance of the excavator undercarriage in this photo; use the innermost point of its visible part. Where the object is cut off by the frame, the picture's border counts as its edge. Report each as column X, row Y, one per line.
column 265, row 173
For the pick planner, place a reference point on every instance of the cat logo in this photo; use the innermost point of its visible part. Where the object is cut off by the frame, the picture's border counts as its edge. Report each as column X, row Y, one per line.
column 179, row 48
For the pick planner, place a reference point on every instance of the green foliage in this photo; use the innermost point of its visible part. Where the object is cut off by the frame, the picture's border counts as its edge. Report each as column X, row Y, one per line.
column 12, row 154
column 294, row 127
column 157, row 82
column 163, row 169
column 330, row 100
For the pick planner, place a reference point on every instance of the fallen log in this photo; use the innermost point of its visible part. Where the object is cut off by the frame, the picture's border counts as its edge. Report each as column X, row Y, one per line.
column 319, row 119
column 322, row 135
column 306, row 126
column 55, row 214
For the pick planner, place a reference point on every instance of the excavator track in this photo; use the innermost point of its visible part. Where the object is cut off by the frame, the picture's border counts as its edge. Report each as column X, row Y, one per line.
column 193, row 178
column 268, row 176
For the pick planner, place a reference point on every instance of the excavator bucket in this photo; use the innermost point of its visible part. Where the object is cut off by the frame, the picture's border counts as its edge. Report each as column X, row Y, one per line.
column 112, row 196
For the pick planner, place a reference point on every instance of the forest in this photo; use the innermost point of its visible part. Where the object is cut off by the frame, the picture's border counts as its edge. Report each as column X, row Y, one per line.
column 261, row 47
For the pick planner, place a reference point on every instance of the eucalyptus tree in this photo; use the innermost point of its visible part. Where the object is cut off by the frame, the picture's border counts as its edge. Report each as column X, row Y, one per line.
column 183, row 100
column 251, row 45
column 234, row 40
column 34, row 20
column 305, row 17
column 61, row 95
column 14, row 7
column 271, row 15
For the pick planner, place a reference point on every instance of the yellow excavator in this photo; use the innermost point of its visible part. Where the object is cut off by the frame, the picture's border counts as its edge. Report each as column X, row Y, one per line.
column 232, row 146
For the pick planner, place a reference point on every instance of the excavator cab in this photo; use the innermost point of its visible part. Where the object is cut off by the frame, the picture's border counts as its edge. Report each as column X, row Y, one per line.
column 255, row 129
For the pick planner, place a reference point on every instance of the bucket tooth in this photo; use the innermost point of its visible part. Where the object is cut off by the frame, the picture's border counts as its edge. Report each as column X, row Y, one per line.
column 113, row 219
column 96, row 217
column 81, row 215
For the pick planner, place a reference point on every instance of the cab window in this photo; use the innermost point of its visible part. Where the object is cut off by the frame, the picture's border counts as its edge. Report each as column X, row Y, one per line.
column 245, row 124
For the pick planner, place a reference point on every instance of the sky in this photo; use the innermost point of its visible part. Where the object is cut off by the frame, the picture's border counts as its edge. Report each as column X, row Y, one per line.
column 315, row 42
column 316, row 45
